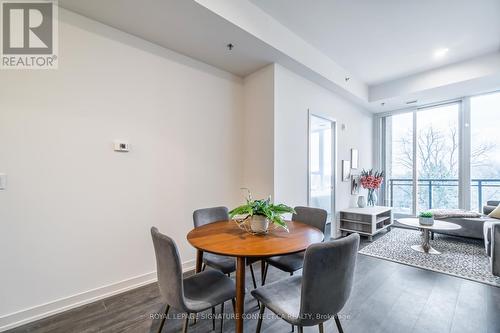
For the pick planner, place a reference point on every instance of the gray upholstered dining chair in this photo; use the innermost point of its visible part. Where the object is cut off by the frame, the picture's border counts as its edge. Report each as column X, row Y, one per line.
column 291, row 263
column 191, row 295
column 204, row 216
column 322, row 290
column 225, row 264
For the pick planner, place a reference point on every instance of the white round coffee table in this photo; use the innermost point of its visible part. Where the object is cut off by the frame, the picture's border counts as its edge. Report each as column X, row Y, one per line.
column 426, row 229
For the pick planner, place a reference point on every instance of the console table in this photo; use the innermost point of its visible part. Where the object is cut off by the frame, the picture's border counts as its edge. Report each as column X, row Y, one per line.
column 367, row 221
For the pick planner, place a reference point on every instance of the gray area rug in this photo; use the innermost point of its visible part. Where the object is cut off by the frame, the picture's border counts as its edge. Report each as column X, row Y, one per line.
column 462, row 257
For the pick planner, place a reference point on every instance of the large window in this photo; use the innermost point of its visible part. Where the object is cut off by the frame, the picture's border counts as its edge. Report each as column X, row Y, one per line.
column 437, row 156
column 399, row 161
column 431, row 154
column 485, row 149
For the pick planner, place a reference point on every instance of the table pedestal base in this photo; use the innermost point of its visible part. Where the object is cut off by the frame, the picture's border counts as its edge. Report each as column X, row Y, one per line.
column 420, row 248
column 426, row 246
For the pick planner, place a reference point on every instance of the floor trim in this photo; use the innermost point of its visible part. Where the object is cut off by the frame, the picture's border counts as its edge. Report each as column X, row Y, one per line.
column 28, row 315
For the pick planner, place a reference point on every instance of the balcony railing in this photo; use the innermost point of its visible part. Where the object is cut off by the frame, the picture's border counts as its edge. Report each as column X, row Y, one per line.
column 442, row 192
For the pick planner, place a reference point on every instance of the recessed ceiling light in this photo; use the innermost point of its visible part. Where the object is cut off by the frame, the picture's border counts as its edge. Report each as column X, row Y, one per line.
column 440, row 53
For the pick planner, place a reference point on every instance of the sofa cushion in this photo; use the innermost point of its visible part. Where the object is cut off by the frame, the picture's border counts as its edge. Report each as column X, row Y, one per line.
column 495, row 213
column 488, row 209
column 440, row 214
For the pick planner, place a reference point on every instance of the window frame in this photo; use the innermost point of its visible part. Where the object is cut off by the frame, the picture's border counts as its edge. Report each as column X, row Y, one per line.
column 464, row 150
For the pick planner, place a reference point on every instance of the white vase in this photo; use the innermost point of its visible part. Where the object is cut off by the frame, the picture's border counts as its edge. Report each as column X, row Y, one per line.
column 259, row 224
column 361, row 201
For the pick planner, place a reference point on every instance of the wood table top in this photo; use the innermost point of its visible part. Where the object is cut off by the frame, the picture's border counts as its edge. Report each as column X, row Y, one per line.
column 438, row 225
column 226, row 238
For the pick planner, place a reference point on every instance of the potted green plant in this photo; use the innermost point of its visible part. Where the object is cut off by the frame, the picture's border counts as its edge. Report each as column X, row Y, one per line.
column 260, row 213
column 426, row 218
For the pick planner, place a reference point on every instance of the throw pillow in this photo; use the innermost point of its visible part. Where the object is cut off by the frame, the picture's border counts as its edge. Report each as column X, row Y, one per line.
column 495, row 213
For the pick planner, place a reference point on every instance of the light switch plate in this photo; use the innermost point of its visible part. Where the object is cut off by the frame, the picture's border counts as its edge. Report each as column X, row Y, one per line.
column 3, row 181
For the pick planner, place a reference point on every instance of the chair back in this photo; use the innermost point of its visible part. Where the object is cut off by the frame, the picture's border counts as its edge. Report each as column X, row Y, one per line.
column 169, row 270
column 327, row 278
column 315, row 217
column 209, row 215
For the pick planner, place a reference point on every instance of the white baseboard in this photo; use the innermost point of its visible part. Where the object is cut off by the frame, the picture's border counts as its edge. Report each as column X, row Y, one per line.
column 28, row 315
column 188, row 265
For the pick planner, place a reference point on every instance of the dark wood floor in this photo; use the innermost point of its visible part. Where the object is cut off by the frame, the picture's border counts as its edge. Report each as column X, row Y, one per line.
column 387, row 297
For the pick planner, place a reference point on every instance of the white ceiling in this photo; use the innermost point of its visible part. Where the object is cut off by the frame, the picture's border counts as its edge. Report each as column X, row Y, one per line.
column 370, row 41
column 387, row 39
column 182, row 26
column 196, row 30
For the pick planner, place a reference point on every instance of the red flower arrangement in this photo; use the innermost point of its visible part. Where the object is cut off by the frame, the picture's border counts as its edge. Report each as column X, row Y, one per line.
column 371, row 180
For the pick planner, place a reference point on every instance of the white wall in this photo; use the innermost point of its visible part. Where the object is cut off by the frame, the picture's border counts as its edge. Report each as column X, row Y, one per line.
column 76, row 215
column 294, row 95
column 258, row 132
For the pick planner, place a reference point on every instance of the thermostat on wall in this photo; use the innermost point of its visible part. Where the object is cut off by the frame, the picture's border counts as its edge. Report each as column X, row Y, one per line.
column 121, row 146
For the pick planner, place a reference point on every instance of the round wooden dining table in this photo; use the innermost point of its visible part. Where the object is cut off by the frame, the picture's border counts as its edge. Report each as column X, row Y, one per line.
column 228, row 239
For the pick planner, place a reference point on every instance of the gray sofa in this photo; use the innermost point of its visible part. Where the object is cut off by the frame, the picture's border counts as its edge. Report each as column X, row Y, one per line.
column 471, row 227
column 492, row 245
column 484, row 227
column 491, row 231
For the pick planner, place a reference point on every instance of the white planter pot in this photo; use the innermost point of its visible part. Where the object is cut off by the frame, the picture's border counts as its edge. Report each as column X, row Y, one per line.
column 259, row 224
column 426, row 221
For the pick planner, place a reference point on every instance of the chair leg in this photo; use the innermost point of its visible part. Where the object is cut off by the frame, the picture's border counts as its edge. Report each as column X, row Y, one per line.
column 163, row 319
column 259, row 322
column 186, row 324
column 254, row 281
column 339, row 327
column 301, row 329
column 321, row 328
column 221, row 318
column 293, row 328
column 265, row 275
column 203, row 267
column 253, row 277
column 213, row 318
column 234, row 304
